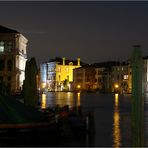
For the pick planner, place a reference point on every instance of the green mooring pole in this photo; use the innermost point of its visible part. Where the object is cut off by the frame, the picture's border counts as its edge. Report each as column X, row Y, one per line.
column 137, row 98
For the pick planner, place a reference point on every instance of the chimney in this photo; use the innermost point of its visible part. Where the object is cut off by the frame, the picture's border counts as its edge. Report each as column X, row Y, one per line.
column 78, row 61
column 63, row 61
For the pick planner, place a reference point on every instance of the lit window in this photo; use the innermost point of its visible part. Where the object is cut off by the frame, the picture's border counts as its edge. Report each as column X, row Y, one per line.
column 59, row 69
column 67, row 70
column 1, row 46
column 125, row 77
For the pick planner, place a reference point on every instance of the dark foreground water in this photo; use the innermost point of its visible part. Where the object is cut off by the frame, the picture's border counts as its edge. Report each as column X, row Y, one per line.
column 112, row 113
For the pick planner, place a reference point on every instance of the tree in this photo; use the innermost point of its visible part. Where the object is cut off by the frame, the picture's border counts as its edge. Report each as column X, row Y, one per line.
column 30, row 83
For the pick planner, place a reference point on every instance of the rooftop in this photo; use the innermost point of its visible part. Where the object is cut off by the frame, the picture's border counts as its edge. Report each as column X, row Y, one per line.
column 59, row 60
column 7, row 30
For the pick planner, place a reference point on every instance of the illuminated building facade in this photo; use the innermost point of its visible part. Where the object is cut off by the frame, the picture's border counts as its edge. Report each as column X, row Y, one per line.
column 13, row 58
column 88, row 78
column 120, row 78
column 106, row 77
column 57, row 74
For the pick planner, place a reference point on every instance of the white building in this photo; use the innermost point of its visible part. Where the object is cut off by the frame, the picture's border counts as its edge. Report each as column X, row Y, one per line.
column 13, row 57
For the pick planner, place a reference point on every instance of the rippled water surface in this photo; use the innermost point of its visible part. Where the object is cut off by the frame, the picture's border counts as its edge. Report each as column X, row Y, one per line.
column 112, row 114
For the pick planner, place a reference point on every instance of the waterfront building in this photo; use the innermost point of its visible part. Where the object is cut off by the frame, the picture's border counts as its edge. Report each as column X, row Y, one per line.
column 13, row 57
column 120, row 78
column 57, row 74
column 88, row 78
column 93, row 77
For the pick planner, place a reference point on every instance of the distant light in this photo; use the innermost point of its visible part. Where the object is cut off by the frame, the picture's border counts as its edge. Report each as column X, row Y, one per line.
column 43, row 85
column 116, row 85
column 78, row 86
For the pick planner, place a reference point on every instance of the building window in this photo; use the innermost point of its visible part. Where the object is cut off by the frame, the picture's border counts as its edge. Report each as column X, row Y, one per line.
column 67, row 69
column 1, row 46
column 2, row 65
column 70, row 63
column 125, row 77
column 59, row 69
column 117, row 77
column 22, row 51
column 9, row 65
column 9, row 78
column 9, row 46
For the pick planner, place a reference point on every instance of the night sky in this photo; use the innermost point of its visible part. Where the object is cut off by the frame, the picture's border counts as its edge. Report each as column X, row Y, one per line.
column 93, row 31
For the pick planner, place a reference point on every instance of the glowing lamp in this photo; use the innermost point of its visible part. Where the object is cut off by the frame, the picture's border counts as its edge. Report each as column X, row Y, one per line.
column 78, row 86
column 116, row 86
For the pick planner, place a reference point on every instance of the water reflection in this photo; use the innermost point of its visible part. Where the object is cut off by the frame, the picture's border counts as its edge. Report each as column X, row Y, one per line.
column 43, row 101
column 116, row 123
column 60, row 98
column 65, row 98
column 78, row 99
column 108, row 114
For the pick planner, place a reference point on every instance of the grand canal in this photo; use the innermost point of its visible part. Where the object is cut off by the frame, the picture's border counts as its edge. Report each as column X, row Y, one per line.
column 112, row 114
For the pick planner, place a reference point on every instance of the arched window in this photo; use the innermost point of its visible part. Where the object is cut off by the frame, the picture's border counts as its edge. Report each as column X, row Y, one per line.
column 70, row 63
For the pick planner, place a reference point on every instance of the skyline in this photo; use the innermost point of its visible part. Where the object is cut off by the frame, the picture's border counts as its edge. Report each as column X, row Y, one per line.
column 93, row 31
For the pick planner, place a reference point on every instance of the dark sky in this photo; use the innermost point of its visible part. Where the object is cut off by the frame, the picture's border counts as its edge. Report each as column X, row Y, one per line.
column 93, row 31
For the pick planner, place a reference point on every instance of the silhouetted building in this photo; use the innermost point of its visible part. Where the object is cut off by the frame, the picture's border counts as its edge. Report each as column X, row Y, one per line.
column 145, row 74
column 13, row 58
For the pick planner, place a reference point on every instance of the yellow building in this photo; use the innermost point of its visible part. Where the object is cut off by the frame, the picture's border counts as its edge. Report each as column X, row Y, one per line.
column 57, row 74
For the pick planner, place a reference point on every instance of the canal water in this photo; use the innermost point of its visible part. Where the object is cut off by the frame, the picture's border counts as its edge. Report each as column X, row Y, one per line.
column 112, row 114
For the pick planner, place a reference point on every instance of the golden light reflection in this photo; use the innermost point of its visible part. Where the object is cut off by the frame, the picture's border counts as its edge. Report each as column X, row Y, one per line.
column 69, row 99
column 78, row 99
column 43, row 102
column 116, row 99
column 65, row 98
column 116, row 124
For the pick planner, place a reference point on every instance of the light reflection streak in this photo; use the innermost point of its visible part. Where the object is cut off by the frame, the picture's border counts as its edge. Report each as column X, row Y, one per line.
column 43, row 102
column 116, row 124
column 78, row 99
column 65, row 98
